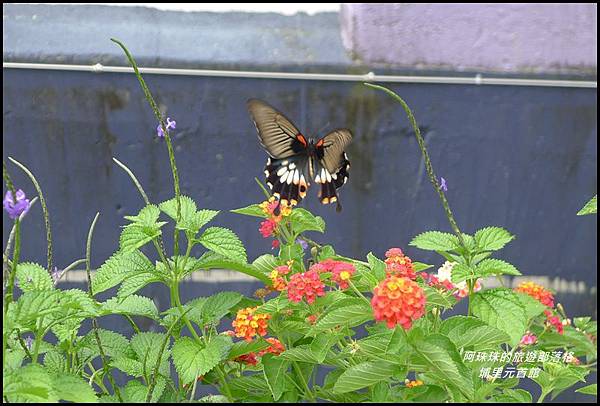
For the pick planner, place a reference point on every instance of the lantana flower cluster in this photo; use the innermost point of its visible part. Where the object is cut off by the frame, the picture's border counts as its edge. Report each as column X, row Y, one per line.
column 268, row 227
column 398, row 300
column 545, row 297
column 306, row 284
column 341, row 271
column 398, row 264
column 249, row 324
column 277, row 276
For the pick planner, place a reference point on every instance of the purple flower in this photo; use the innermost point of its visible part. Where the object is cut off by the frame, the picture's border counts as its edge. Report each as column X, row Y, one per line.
column 56, row 275
column 28, row 342
column 443, row 185
column 302, row 243
column 18, row 207
column 171, row 125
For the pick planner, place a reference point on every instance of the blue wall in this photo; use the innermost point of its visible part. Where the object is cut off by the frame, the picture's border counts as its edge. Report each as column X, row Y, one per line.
column 520, row 157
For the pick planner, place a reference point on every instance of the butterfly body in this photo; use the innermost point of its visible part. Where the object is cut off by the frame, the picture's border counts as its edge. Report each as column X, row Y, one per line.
column 295, row 160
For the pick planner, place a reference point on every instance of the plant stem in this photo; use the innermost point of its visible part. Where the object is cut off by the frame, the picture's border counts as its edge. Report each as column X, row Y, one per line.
column 158, row 115
column 44, row 210
column 134, row 179
column 428, row 165
column 267, row 194
column 95, row 328
column 8, row 297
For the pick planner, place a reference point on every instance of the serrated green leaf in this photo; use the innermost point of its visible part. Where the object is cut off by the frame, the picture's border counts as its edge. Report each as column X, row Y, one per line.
column 253, row 210
column 31, row 383
column 33, row 277
column 531, row 306
column 435, row 241
column 118, row 267
column 55, row 362
column 493, row 267
column 72, row 389
column 132, row 305
column 377, row 266
column 132, row 284
column 348, row 316
column 135, row 236
column 589, row 208
column 265, row 263
column 224, row 242
column 192, row 360
column 501, row 308
column 467, row 331
column 245, row 347
column 147, row 216
column 441, row 359
column 302, row 220
column 492, row 238
column 217, row 306
column 187, row 208
column 113, row 344
column 363, row 375
column 32, row 305
column 274, row 369
column 213, row 260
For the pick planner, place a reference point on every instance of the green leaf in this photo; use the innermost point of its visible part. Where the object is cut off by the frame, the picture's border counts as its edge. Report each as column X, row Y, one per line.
column 435, row 241
column 493, row 267
column 302, row 220
column 377, row 266
column 441, row 359
column 133, row 283
column 187, row 208
column 33, row 277
column 212, row 260
column 224, row 242
column 362, row 375
column 501, row 308
column 436, row 298
column 556, row 377
column 253, row 210
column 55, row 362
column 244, row 347
column 265, row 263
column 513, row 396
column 589, row 208
column 118, row 267
column 531, row 306
column 217, row 306
column 147, row 216
column 73, row 389
column 192, row 360
column 274, row 369
column 30, row 383
column 466, row 331
column 135, row 236
column 113, row 344
column 462, row 272
column 349, row 316
column 492, row 238
column 35, row 304
column 132, row 305
column 588, row 390
column 146, row 346
column 420, row 266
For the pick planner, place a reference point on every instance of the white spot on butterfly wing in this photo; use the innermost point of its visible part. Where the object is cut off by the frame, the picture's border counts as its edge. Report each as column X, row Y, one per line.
column 281, row 171
column 296, row 177
column 290, row 177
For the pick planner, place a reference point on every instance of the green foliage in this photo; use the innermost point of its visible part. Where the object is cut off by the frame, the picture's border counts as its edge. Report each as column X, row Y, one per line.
column 589, row 208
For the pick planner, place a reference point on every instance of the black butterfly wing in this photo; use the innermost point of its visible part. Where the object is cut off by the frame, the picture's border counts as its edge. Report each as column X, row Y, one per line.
column 276, row 133
column 287, row 168
column 287, row 178
column 332, row 165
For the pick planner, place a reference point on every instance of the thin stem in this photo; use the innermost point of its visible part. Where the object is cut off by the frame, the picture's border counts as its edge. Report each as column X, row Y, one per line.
column 160, row 353
column 8, row 298
column 134, row 179
column 428, row 166
column 44, row 210
column 6, row 261
column 225, row 385
column 267, row 194
column 176, row 301
column 358, row 292
column 158, row 115
column 95, row 328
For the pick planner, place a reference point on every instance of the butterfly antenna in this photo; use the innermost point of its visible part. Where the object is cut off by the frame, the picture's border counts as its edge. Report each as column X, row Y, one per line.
column 338, row 207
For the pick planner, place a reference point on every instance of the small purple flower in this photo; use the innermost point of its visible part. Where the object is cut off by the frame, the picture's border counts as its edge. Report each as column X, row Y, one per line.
column 28, row 342
column 56, row 275
column 15, row 209
column 302, row 243
column 171, row 125
column 443, row 185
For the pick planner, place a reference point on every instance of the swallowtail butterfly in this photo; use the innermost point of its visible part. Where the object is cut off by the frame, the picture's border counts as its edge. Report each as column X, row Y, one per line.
column 295, row 160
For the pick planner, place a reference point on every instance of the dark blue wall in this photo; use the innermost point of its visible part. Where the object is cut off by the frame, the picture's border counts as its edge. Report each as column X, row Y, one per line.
column 520, row 157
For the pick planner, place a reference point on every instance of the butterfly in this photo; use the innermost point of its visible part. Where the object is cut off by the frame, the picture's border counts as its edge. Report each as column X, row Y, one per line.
column 295, row 160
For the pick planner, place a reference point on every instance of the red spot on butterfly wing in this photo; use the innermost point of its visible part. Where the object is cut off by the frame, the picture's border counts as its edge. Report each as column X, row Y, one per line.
column 302, row 140
column 319, row 144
